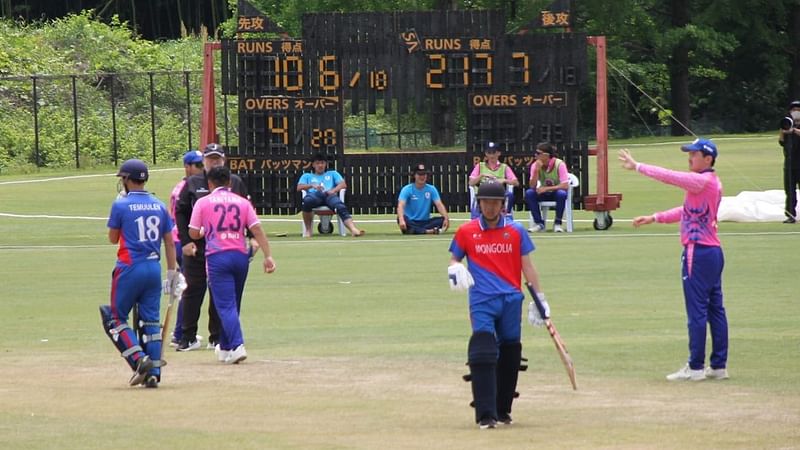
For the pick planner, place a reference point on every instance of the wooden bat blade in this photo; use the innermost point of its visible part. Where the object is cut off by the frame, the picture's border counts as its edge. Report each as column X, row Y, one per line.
column 165, row 325
column 566, row 359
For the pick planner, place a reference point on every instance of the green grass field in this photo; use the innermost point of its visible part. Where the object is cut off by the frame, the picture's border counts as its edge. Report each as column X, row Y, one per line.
column 358, row 343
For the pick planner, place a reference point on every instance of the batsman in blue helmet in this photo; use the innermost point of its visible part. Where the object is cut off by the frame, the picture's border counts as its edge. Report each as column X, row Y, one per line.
column 139, row 222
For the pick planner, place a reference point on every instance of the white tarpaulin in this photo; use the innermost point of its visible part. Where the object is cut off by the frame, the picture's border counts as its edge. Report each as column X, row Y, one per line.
column 753, row 206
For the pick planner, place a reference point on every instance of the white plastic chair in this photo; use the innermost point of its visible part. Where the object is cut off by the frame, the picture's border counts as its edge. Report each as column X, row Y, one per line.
column 544, row 207
column 473, row 202
column 324, row 213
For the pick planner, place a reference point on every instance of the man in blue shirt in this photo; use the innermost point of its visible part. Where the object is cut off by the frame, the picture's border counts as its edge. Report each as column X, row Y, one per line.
column 322, row 188
column 139, row 222
column 414, row 206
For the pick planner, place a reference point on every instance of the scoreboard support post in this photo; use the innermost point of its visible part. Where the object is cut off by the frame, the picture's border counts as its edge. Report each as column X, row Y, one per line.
column 602, row 203
column 208, row 108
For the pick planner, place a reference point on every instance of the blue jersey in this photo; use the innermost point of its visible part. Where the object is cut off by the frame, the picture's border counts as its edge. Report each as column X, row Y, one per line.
column 418, row 201
column 143, row 221
column 494, row 256
column 328, row 179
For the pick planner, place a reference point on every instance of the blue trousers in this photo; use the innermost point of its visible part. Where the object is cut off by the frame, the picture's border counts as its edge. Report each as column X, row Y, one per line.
column 499, row 315
column 532, row 199
column 139, row 284
column 701, row 270
column 421, row 226
column 227, row 272
column 315, row 199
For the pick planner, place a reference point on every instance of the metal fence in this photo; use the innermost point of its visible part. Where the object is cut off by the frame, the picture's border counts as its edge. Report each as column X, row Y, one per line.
column 102, row 117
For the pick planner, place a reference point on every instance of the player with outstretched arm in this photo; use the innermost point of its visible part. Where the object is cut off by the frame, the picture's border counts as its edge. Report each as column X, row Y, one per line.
column 702, row 259
column 497, row 250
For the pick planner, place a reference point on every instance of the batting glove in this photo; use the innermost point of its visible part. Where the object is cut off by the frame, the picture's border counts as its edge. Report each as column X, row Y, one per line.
column 459, row 277
column 175, row 283
column 534, row 316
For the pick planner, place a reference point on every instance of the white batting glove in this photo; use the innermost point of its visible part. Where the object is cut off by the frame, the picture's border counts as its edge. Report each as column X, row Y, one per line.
column 534, row 317
column 459, row 277
column 174, row 284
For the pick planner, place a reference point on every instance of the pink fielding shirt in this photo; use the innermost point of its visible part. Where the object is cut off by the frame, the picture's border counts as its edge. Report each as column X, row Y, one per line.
column 698, row 215
column 224, row 216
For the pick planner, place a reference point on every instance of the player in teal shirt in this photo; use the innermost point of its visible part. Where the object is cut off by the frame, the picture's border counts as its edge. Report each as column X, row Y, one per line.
column 414, row 206
column 322, row 188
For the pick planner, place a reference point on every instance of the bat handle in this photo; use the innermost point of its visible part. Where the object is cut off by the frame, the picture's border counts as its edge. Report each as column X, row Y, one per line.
column 537, row 302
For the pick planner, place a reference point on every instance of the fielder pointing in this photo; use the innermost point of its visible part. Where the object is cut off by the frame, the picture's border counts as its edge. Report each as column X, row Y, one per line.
column 497, row 250
column 702, row 260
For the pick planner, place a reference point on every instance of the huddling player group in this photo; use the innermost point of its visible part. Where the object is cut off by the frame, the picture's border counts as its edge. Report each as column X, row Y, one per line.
column 217, row 232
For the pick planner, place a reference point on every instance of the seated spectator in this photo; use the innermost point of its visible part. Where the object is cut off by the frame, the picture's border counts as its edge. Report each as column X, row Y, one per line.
column 414, row 206
column 492, row 169
column 322, row 187
column 549, row 181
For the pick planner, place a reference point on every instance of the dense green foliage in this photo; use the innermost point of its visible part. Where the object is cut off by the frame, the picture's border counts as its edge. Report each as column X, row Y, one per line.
column 79, row 44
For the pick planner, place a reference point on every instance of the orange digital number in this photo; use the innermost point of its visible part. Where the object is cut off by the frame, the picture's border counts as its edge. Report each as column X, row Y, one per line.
column 484, row 68
column 328, row 76
column 297, row 63
column 282, row 130
column 378, row 80
column 525, row 68
column 326, row 137
column 437, row 69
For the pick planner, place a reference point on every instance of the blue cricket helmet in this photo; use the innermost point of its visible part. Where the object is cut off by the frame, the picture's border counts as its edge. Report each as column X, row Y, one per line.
column 134, row 169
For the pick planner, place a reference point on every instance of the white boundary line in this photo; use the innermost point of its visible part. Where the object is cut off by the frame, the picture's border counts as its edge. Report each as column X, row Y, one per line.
column 73, row 177
column 438, row 240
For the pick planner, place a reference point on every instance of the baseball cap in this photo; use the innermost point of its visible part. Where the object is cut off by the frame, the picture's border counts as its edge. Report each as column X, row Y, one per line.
column 214, row 149
column 192, row 157
column 491, row 147
column 794, row 104
column 420, row 168
column 701, row 145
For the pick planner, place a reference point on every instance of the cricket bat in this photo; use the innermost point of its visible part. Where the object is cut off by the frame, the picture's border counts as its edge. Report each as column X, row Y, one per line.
column 165, row 326
column 560, row 347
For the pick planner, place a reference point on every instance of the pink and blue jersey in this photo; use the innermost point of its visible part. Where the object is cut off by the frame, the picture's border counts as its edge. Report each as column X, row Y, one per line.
column 225, row 216
column 173, row 205
column 142, row 220
column 698, row 215
column 494, row 256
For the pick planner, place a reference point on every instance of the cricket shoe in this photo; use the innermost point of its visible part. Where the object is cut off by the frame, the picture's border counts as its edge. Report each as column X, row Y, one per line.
column 487, row 423
column 187, row 346
column 717, row 374
column 687, row 373
column 557, row 228
column 143, row 365
column 504, row 418
column 151, row 381
column 221, row 354
column 175, row 342
column 236, row 355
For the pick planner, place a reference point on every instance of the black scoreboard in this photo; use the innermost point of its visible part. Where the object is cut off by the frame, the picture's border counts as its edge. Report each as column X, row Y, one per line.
column 293, row 95
column 517, row 89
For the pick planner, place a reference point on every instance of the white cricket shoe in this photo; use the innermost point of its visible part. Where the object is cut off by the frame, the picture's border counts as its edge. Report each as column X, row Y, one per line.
column 536, row 228
column 686, row 373
column 220, row 353
column 236, row 355
column 716, row 374
column 557, row 228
